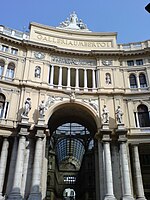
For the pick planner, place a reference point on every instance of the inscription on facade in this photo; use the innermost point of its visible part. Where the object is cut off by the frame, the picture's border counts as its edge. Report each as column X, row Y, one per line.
column 73, row 42
column 72, row 61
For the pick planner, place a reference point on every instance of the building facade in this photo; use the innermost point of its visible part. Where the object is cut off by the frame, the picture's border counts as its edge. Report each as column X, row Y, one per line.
column 74, row 114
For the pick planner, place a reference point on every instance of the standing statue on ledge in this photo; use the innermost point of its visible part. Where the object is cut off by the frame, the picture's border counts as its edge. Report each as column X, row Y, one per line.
column 105, row 115
column 119, row 115
column 27, row 107
column 72, row 97
column 42, row 108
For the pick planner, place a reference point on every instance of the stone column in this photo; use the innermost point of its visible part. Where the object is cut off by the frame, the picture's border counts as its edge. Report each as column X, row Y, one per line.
column 104, row 136
column 124, row 162
column 85, row 80
column 126, row 182
column 77, row 80
column 52, row 76
column 60, row 78
column 108, row 171
column 3, row 162
column 4, row 110
column 138, row 183
column 137, row 119
column 68, row 79
column 5, row 70
column 16, row 189
column 12, row 166
column 37, row 171
column 93, row 80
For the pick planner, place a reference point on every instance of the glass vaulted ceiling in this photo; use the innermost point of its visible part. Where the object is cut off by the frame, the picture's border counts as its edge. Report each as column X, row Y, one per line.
column 70, row 145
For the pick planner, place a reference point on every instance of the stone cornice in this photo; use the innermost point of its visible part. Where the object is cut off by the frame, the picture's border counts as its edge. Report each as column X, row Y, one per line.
column 95, row 53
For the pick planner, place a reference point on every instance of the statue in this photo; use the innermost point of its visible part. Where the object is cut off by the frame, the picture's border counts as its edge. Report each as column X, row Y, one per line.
column 108, row 79
column 105, row 115
column 72, row 97
column 119, row 115
column 73, row 23
column 27, row 107
column 37, row 71
column 73, row 18
column 42, row 108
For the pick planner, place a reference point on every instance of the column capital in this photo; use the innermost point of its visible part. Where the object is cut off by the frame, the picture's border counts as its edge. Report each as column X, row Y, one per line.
column 103, row 135
column 122, row 134
column 41, row 131
column 133, row 144
column 23, row 129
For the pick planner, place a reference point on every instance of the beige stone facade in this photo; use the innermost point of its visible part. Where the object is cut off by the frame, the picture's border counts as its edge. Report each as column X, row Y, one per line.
column 92, row 132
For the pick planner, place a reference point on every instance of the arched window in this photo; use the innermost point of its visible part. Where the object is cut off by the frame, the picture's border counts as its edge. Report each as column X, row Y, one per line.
column 2, row 105
column 142, row 80
column 143, row 116
column 133, row 82
column 10, row 71
column 1, row 67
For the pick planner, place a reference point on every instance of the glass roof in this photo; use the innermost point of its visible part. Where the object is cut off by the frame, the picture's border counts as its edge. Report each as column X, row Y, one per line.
column 70, row 149
column 72, row 129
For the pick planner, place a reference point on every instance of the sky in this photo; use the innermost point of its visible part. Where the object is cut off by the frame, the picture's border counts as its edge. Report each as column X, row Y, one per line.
column 128, row 18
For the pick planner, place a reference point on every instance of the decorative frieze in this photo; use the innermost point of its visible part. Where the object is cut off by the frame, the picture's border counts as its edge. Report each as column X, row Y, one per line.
column 73, row 61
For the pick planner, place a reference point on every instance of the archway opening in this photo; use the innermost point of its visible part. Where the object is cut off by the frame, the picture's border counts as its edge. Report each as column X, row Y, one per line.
column 71, row 152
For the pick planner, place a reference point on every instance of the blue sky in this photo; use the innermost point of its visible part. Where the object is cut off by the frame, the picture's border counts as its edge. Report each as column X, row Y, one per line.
column 128, row 18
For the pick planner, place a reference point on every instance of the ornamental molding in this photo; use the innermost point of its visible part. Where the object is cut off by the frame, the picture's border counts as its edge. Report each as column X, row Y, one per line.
column 51, row 100
column 39, row 55
column 92, row 102
column 73, row 61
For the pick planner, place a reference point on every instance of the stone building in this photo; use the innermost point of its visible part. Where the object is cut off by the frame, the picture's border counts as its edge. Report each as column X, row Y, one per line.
column 74, row 114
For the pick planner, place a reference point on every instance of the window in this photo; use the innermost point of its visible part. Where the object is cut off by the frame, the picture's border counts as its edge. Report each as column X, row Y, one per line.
column 3, row 106
column 133, row 82
column 14, row 51
column 10, row 71
column 1, row 68
column 139, row 62
column 142, row 80
column 143, row 116
column 4, row 48
column 130, row 63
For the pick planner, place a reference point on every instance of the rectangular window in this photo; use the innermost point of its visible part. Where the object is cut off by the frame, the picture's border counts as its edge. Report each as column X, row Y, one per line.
column 1, row 71
column 9, row 74
column 14, row 51
column 5, row 48
column 139, row 62
column 3, row 110
column 130, row 62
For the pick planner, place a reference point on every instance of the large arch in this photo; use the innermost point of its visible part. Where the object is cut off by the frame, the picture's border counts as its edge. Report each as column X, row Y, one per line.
column 69, row 168
column 76, row 112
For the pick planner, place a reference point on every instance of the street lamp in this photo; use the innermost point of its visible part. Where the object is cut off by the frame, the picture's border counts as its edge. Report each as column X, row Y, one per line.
column 147, row 8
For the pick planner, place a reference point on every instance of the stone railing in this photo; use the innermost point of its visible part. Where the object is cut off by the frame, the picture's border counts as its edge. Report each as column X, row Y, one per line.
column 134, row 46
column 14, row 33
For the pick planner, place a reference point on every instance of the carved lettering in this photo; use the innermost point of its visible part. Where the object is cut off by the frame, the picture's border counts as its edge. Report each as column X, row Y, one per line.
column 76, row 43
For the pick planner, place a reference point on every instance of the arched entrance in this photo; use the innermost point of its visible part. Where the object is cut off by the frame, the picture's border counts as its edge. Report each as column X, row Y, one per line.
column 71, row 152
